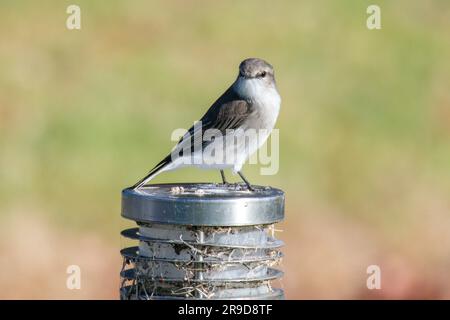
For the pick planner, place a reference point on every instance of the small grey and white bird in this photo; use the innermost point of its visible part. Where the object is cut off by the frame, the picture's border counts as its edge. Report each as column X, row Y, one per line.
column 252, row 103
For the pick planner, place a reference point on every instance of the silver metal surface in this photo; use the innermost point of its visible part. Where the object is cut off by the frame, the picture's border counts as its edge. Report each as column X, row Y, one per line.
column 202, row 241
column 133, row 233
column 203, row 204
column 132, row 253
column 271, row 274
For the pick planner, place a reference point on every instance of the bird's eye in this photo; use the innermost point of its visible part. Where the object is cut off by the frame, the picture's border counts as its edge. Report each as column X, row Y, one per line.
column 263, row 74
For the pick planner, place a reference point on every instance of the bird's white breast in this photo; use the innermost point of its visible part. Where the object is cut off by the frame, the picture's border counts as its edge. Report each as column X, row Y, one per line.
column 265, row 99
column 266, row 102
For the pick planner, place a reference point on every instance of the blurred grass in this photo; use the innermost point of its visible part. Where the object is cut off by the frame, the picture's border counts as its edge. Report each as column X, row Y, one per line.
column 364, row 126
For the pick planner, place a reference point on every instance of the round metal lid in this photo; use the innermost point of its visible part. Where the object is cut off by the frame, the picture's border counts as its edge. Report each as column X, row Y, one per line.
column 203, row 204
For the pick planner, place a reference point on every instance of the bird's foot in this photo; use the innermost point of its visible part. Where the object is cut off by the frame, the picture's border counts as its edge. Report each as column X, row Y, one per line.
column 250, row 188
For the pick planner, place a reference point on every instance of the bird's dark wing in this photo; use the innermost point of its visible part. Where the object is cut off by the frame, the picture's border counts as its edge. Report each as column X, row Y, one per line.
column 228, row 112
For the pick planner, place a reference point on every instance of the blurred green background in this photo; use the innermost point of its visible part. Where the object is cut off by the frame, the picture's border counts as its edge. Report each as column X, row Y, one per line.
column 364, row 134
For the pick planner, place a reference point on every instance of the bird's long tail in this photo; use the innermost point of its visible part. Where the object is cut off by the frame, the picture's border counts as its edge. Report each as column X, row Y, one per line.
column 154, row 172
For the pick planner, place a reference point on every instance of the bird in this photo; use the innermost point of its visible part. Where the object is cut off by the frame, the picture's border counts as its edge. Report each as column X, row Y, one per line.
column 251, row 104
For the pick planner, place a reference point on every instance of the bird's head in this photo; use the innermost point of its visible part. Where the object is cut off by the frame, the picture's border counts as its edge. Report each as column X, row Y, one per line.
column 254, row 68
column 255, row 80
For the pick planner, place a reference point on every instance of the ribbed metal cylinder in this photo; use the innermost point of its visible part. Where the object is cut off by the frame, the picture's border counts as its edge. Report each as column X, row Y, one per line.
column 202, row 241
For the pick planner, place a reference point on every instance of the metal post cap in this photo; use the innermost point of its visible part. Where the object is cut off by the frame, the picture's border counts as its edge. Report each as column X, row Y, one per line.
column 203, row 204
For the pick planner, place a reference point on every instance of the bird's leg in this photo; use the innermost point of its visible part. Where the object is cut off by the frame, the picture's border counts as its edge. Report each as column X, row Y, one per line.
column 249, row 186
column 223, row 177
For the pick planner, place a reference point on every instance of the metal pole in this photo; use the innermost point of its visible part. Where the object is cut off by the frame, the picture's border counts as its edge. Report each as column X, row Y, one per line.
column 202, row 241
